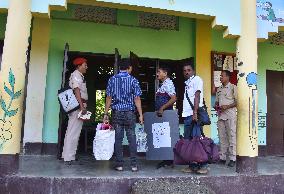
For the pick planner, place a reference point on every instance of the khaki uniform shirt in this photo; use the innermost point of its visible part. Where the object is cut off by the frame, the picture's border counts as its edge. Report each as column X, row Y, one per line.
column 77, row 81
column 227, row 95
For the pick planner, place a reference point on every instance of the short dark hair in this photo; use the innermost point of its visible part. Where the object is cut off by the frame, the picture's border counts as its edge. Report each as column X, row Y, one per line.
column 124, row 64
column 166, row 69
column 189, row 62
column 227, row 72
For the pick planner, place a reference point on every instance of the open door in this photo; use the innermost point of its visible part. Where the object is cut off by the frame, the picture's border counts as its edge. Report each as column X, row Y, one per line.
column 144, row 69
column 116, row 60
column 176, row 68
column 275, row 113
column 62, row 117
column 134, row 60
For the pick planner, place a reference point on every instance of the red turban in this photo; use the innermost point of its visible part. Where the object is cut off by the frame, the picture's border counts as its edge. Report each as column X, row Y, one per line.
column 79, row 61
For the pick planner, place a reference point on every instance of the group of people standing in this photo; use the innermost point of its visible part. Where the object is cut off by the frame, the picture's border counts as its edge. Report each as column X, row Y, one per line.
column 123, row 98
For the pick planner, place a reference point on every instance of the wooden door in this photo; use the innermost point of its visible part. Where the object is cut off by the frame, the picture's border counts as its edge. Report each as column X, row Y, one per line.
column 176, row 67
column 62, row 117
column 134, row 60
column 275, row 112
column 144, row 69
column 116, row 60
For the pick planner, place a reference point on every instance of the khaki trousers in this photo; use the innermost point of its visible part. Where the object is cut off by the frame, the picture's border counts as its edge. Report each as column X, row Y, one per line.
column 72, row 136
column 227, row 138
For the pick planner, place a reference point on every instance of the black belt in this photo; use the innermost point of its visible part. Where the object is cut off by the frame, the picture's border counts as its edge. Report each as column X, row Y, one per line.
column 123, row 111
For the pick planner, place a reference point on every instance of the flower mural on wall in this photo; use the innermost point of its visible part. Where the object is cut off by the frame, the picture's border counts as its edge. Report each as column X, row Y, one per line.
column 269, row 12
column 8, row 111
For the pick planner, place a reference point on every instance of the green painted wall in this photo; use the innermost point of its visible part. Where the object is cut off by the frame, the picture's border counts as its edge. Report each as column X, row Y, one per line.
column 102, row 38
column 221, row 45
column 3, row 19
column 270, row 57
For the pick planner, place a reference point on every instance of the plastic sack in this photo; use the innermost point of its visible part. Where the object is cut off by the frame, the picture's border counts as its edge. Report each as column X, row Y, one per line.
column 103, row 144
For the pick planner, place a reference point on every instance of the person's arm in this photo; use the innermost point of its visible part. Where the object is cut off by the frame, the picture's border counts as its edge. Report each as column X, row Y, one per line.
column 107, row 107
column 198, row 88
column 108, row 101
column 79, row 99
column 137, row 101
column 234, row 104
column 168, row 104
column 225, row 107
column 196, row 104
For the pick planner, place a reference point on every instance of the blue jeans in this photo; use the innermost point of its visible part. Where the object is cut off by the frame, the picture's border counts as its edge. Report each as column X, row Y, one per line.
column 124, row 120
column 192, row 129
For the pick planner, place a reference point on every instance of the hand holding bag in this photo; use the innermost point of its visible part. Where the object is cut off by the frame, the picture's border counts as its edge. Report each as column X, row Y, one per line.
column 202, row 114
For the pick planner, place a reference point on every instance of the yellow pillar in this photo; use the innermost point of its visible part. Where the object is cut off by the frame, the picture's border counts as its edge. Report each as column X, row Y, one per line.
column 12, row 75
column 37, row 80
column 203, row 61
column 247, row 128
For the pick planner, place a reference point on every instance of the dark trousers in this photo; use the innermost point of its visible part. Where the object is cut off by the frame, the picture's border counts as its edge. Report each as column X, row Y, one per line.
column 124, row 120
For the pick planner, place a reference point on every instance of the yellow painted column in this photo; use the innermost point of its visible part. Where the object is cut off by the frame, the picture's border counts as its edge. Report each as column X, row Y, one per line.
column 37, row 80
column 247, row 126
column 12, row 75
column 203, row 62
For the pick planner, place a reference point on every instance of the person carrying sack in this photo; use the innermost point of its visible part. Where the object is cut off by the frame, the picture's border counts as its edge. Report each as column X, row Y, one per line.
column 78, row 84
column 192, row 127
column 123, row 97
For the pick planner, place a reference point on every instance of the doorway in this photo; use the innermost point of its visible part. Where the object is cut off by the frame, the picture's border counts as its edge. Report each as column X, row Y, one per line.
column 275, row 112
column 100, row 68
column 144, row 69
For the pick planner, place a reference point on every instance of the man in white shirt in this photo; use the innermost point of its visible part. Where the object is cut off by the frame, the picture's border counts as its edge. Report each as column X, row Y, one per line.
column 194, row 93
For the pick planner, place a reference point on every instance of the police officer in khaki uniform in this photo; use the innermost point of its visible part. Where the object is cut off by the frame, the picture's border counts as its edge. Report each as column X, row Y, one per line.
column 226, row 102
column 78, row 84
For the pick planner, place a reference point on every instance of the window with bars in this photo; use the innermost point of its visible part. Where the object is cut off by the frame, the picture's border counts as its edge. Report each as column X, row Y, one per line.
column 157, row 21
column 96, row 14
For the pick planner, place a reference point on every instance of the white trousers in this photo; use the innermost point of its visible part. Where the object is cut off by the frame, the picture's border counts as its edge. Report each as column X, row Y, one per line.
column 72, row 136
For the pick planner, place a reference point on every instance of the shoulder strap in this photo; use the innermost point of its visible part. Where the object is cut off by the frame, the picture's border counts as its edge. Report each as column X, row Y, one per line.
column 187, row 97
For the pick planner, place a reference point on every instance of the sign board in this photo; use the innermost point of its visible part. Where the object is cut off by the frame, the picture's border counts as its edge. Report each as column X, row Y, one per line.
column 162, row 134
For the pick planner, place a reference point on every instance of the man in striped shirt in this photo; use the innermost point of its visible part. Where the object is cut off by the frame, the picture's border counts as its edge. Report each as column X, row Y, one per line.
column 123, row 96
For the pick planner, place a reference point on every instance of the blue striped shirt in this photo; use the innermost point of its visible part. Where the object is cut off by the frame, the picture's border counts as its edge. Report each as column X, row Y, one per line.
column 123, row 88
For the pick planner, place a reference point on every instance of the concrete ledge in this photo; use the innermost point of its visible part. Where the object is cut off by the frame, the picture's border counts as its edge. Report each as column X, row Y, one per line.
column 246, row 165
column 40, row 148
column 9, row 164
column 242, row 184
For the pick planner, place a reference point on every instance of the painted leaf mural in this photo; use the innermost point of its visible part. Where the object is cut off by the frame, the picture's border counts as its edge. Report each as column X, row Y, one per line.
column 8, row 109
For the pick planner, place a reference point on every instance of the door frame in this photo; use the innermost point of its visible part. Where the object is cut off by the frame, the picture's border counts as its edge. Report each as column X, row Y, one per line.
column 67, row 53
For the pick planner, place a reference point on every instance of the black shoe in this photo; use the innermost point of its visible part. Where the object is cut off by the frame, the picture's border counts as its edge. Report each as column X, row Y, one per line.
column 68, row 163
column 231, row 163
column 165, row 163
column 161, row 164
column 222, row 162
